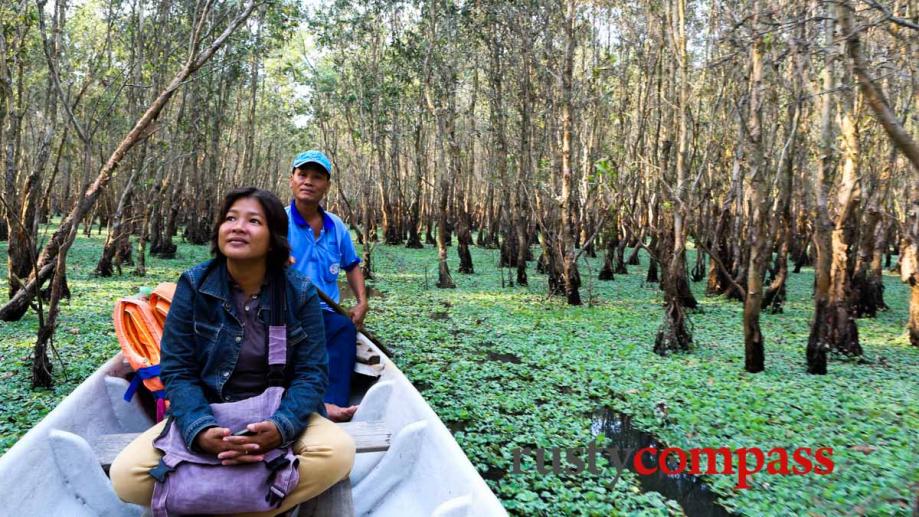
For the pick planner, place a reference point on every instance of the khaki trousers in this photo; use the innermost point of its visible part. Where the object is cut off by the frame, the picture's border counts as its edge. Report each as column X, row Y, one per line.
column 326, row 455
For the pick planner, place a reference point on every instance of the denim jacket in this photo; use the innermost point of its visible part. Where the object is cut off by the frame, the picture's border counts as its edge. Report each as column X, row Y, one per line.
column 202, row 339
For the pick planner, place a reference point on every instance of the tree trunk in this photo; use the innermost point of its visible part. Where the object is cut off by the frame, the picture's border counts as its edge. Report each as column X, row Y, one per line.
column 612, row 241
column 444, row 280
column 774, row 298
column 140, row 264
column 19, row 254
column 722, row 250
column 754, row 354
column 168, row 248
column 633, row 259
column 619, row 258
column 909, row 261
column 674, row 334
column 867, row 281
column 116, row 233
column 462, row 221
column 367, row 232
column 909, row 268
column 414, row 238
column 698, row 270
column 842, row 329
column 566, row 228
column 464, row 237
column 652, row 276
column 820, row 339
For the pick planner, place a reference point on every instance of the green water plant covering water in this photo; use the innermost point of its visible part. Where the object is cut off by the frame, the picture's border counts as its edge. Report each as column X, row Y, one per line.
column 508, row 367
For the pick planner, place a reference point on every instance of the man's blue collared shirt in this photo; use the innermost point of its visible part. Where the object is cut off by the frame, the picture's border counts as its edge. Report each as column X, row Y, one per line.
column 320, row 259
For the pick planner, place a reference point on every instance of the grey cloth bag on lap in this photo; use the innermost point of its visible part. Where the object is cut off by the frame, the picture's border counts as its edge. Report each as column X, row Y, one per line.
column 194, row 483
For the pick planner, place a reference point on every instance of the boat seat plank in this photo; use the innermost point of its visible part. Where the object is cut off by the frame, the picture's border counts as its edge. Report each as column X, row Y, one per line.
column 368, row 437
column 334, row 502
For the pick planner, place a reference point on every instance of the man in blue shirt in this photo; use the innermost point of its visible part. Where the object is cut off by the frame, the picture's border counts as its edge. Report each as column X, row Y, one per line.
column 321, row 247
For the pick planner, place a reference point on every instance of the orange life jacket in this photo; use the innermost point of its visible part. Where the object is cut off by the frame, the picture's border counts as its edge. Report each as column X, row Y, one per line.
column 139, row 327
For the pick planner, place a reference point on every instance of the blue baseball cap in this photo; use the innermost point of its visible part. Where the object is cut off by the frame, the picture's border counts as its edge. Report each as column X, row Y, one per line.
column 313, row 156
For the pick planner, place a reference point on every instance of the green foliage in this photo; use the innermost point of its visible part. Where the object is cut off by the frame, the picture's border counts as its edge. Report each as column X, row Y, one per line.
column 84, row 339
column 573, row 361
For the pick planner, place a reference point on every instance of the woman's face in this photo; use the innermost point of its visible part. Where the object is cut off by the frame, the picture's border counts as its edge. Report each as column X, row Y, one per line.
column 243, row 234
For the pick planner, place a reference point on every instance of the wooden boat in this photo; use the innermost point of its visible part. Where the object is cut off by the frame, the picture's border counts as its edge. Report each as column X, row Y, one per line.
column 54, row 471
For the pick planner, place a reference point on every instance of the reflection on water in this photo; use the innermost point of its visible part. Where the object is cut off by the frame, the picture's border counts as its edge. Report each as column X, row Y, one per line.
column 503, row 358
column 696, row 498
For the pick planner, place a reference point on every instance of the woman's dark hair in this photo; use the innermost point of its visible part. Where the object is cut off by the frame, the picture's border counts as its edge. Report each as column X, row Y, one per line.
column 278, row 247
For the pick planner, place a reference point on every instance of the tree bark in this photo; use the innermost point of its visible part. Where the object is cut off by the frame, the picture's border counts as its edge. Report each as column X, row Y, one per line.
column 909, row 262
column 819, row 342
column 116, row 233
column 754, row 347
column 566, row 229
column 842, row 329
column 867, row 281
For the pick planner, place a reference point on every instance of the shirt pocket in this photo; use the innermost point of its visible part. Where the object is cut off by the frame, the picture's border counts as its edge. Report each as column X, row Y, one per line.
column 331, row 264
column 295, row 335
column 205, row 332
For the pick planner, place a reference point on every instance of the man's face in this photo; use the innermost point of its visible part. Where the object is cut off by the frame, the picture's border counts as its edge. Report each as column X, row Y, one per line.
column 309, row 185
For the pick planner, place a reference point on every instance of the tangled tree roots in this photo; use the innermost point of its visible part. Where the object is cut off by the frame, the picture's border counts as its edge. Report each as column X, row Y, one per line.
column 652, row 277
column 833, row 328
column 197, row 234
column 508, row 252
column 522, row 274
column 686, row 297
column 674, row 334
column 572, row 286
column 699, row 270
column 414, row 241
column 868, row 295
column 633, row 259
column 41, row 362
column 620, row 262
column 465, row 256
column 606, row 273
column 774, row 299
column 843, row 331
column 802, row 259
column 164, row 250
column 65, row 289
column 541, row 266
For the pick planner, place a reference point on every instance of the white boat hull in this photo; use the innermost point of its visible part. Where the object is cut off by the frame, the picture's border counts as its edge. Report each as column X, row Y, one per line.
column 51, row 471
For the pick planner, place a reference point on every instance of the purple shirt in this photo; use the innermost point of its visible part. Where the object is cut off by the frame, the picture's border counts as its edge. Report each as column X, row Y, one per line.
column 250, row 377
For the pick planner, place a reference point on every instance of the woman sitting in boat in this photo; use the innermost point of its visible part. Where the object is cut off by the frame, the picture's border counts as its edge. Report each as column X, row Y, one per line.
column 214, row 350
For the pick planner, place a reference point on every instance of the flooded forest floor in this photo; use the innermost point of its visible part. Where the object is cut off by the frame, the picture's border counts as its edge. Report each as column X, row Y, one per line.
column 508, row 368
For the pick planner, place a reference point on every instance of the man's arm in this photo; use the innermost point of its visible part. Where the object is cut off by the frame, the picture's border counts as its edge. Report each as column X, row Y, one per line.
column 356, row 281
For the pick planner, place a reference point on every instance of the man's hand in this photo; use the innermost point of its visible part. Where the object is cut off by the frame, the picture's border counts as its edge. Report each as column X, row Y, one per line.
column 356, row 283
column 338, row 413
column 250, row 449
column 358, row 313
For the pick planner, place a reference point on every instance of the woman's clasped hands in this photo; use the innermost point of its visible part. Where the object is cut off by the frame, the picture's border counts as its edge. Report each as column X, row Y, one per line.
column 233, row 449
